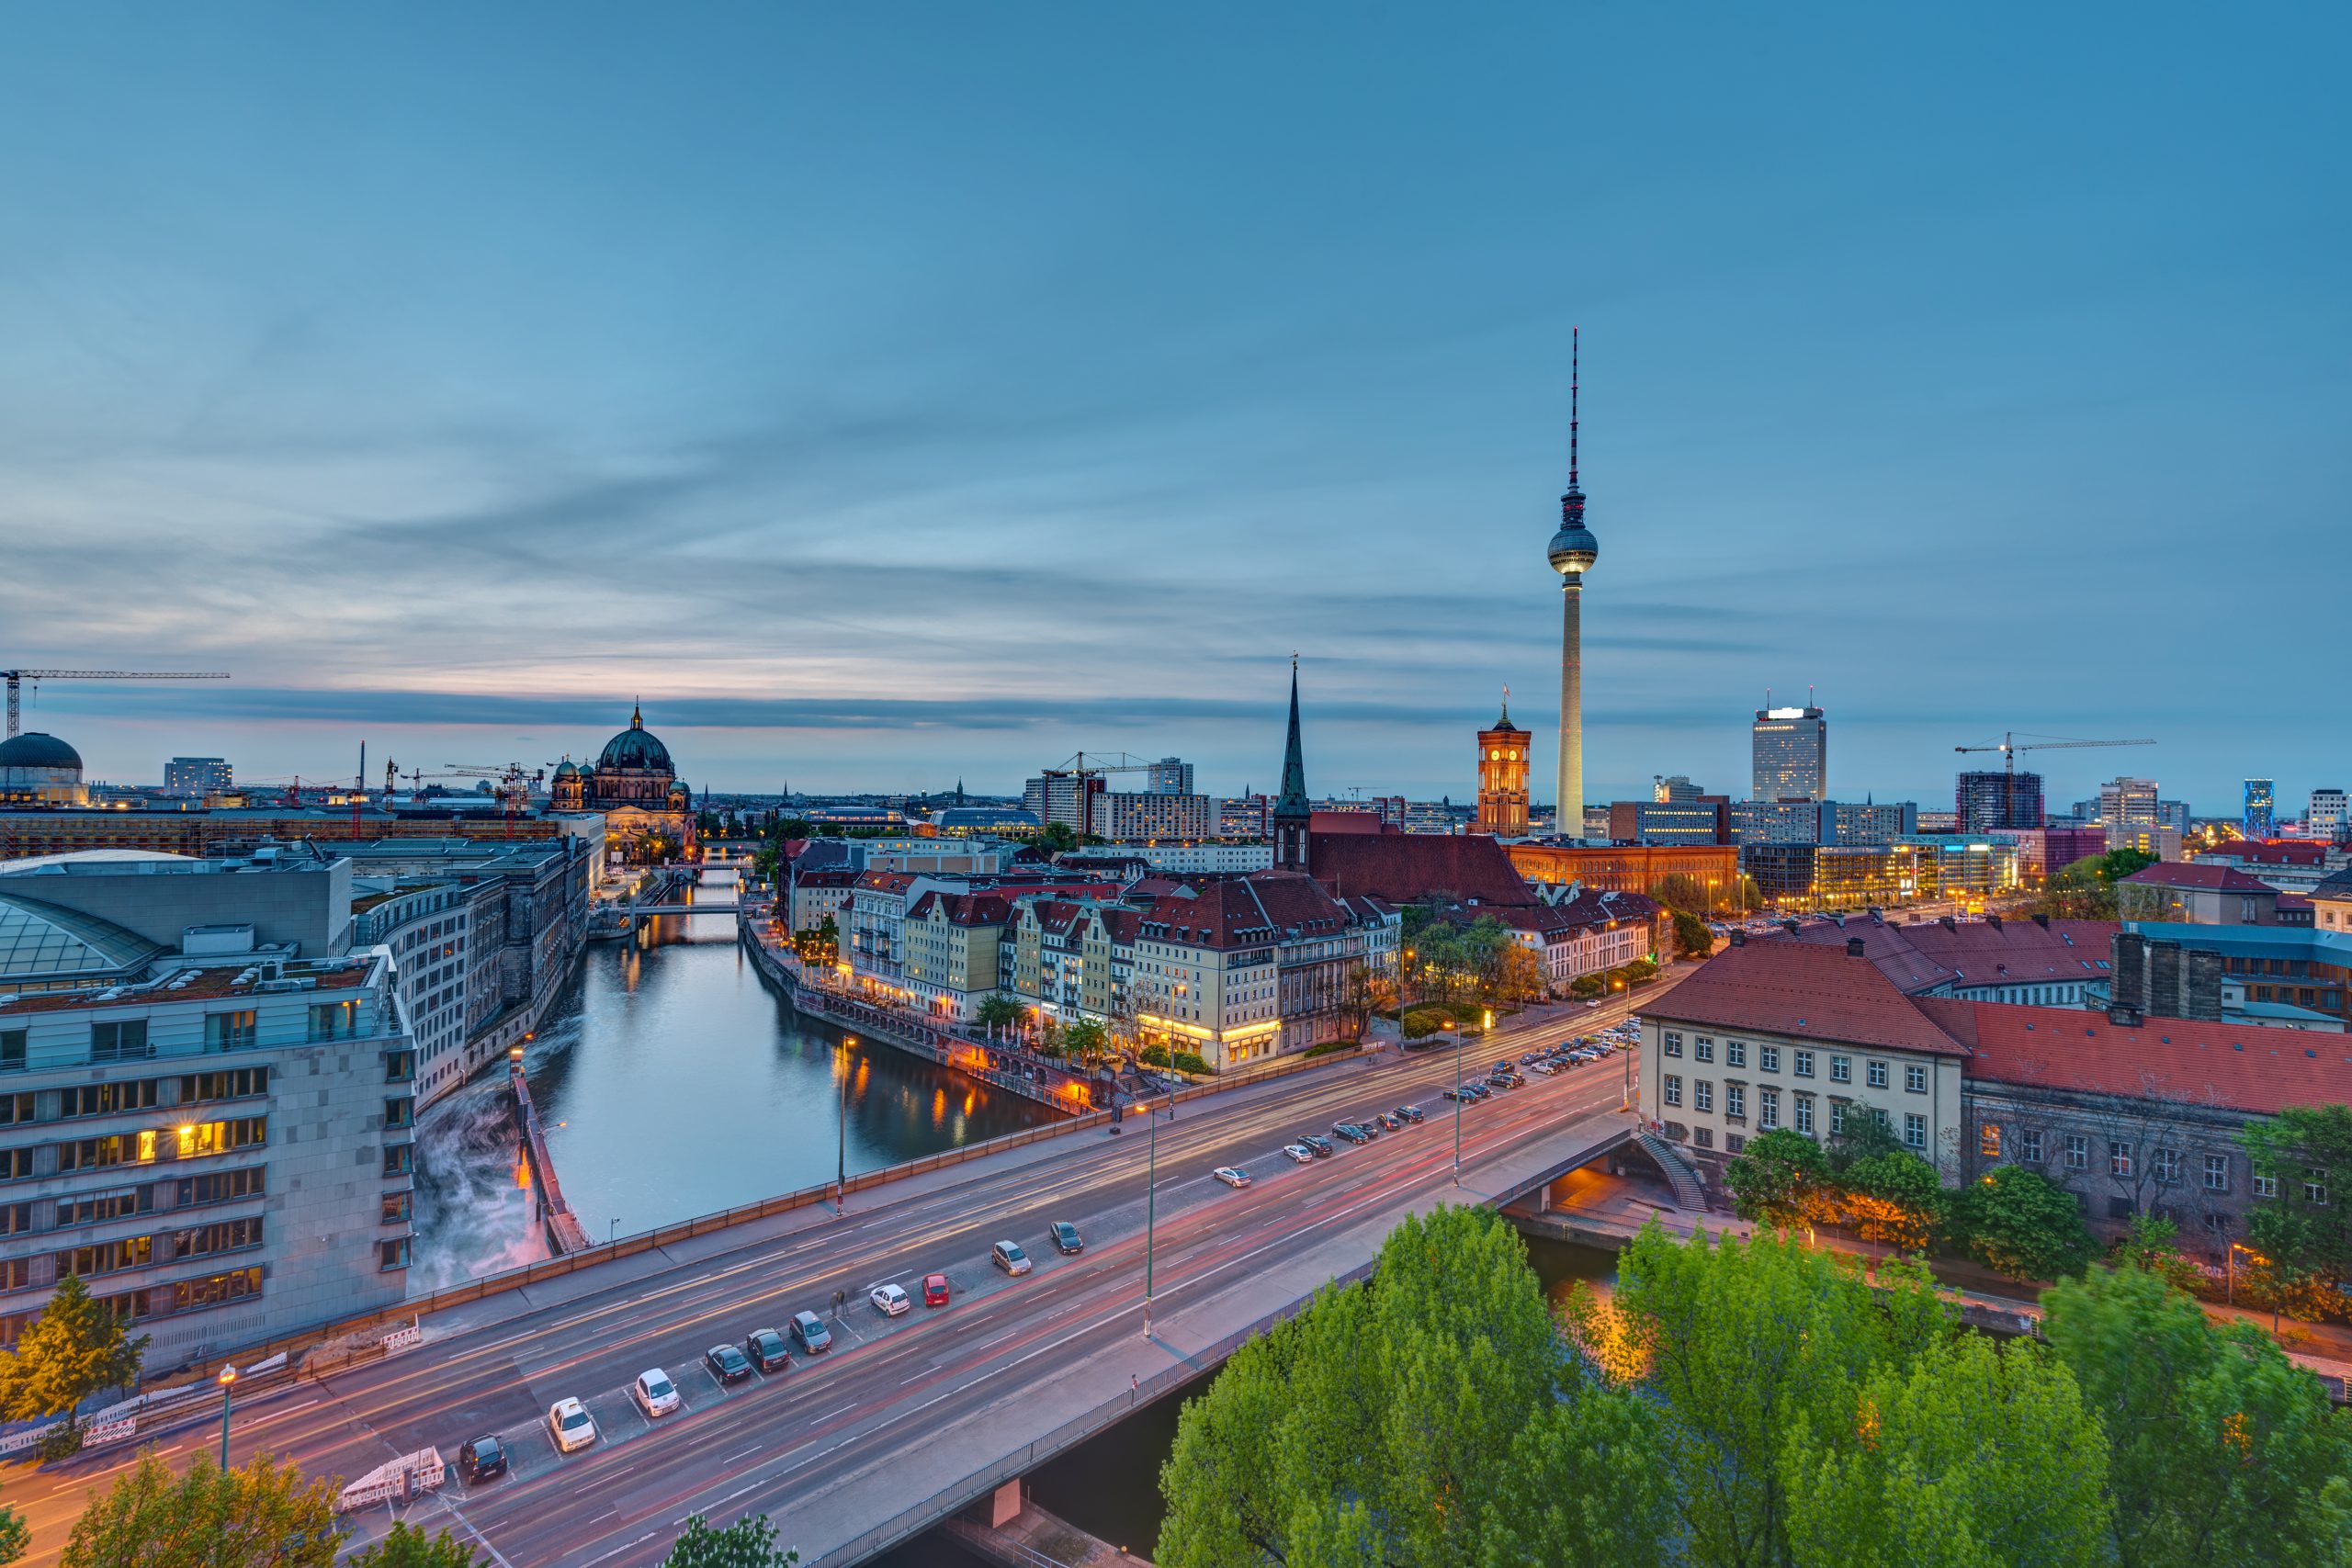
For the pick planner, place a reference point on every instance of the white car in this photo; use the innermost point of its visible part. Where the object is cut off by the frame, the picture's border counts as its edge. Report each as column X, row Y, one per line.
column 656, row 1394
column 1009, row 1257
column 569, row 1423
column 1300, row 1153
column 1230, row 1175
column 888, row 1299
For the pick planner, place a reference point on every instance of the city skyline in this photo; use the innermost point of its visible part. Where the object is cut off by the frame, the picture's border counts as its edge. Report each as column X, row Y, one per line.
column 776, row 378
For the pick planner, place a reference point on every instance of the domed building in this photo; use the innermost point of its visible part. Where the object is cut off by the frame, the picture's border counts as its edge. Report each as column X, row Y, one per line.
column 636, row 787
column 41, row 769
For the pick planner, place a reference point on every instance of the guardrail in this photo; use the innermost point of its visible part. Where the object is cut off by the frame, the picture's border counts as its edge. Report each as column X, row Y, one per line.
column 980, row 1483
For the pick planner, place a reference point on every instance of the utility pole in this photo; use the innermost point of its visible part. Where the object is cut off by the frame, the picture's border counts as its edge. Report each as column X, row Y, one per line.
column 841, row 1171
column 1150, row 1213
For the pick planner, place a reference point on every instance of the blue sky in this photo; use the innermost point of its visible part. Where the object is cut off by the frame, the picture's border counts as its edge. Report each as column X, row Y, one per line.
column 893, row 393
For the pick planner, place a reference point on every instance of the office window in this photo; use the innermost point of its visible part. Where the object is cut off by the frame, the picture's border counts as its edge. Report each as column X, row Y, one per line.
column 2166, row 1165
column 334, row 1021
column 1803, row 1109
column 1801, row 1063
column 1841, row 1069
column 393, row 1253
column 2029, row 1147
column 1914, row 1079
column 105, row 1099
column 16, row 1165
column 230, row 1030
column 2119, row 1159
column 1703, row 1137
column 108, row 1257
column 16, row 1218
column 1836, row 1118
column 121, row 1041
column 12, row 1050
column 2315, row 1185
column 398, row 1161
column 2078, row 1151
column 2119, row 1208
column 1735, row 1053
column 1988, row 1140
column 1877, row 1075
column 1703, row 1049
column 1673, row 1038
column 221, row 1187
column 235, row 1285
column 243, row 1083
column 227, row 1235
column 400, row 1112
column 2265, row 1186
column 396, row 1208
column 1673, row 1089
column 400, row 1067
column 1768, row 1107
column 1734, row 1142
column 1915, row 1131
column 1703, row 1095
column 15, row 1109
column 1768, row 1058
column 2217, row 1173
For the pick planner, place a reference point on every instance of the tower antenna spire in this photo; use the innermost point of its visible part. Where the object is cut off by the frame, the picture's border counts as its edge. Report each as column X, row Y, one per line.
column 1573, row 351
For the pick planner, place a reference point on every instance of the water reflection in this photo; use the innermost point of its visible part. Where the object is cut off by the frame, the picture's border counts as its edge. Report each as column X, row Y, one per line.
column 675, row 1082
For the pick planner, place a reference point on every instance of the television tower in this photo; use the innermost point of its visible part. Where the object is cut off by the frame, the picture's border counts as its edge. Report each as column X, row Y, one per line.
column 1573, row 551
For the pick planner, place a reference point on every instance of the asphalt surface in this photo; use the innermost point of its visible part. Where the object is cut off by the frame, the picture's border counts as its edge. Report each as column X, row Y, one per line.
column 897, row 1404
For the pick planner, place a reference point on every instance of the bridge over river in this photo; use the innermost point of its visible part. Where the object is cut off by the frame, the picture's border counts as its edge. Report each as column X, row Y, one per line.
column 906, row 1419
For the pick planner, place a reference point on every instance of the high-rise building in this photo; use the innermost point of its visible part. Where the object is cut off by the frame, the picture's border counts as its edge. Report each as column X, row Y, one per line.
column 2261, row 815
column 197, row 776
column 1169, row 775
column 1154, row 815
column 1667, row 789
column 1572, row 552
column 1992, row 800
column 1502, row 778
column 1067, row 798
column 2328, row 812
column 1790, row 754
column 2128, row 806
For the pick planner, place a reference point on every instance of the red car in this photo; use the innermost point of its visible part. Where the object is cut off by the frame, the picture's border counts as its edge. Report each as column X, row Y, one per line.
column 934, row 1290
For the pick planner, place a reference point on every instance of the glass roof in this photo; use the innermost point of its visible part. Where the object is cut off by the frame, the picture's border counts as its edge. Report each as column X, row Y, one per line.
column 39, row 939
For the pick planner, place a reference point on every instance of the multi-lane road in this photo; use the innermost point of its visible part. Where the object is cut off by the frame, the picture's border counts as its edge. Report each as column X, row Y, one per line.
column 899, row 1408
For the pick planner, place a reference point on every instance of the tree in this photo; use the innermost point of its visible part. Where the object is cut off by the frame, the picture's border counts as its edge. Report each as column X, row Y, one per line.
column 2305, row 1231
column 1584, row 987
column 1057, row 837
column 998, row 1011
column 1691, row 937
column 1085, row 1039
column 1378, row 1424
column 1896, row 1198
column 261, row 1516
column 749, row 1542
column 409, row 1547
column 1976, row 1453
column 2020, row 1224
column 1519, row 976
column 2220, row 1449
column 1735, row 1342
column 2086, row 890
column 1365, row 992
column 1776, row 1179
column 2153, row 1246
column 74, row 1348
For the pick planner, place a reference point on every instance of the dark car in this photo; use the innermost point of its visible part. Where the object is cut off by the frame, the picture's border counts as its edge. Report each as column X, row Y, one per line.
column 1351, row 1132
column 1527, row 1058
column 1392, row 1121
column 727, row 1363
column 768, row 1350
column 1320, row 1144
column 1408, row 1112
column 1475, row 1091
column 1461, row 1093
column 482, row 1459
column 1066, row 1237
column 1502, row 1066
column 810, row 1330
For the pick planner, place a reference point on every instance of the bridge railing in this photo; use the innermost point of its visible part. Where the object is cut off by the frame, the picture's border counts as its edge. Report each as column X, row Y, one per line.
column 962, row 1493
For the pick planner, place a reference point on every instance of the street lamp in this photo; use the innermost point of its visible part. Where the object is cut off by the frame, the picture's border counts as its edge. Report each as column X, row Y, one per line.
column 228, row 1382
column 840, row 1170
column 1150, row 1208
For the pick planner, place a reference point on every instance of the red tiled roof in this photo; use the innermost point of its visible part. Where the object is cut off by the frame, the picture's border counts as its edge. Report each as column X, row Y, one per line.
column 964, row 909
column 2272, row 852
column 1237, row 911
column 1404, row 867
column 1802, row 989
column 885, row 881
column 2199, row 876
column 1353, row 823
column 1974, row 953
column 2225, row 1064
column 827, row 877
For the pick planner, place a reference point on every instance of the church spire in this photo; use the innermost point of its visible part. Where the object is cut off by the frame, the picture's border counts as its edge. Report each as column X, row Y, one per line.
column 636, row 714
column 1291, row 812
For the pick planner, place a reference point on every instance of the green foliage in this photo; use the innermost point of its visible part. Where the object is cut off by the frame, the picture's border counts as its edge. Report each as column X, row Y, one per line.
column 1380, row 1424
column 1182, row 1061
column 1421, row 1022
column 2153, row 1246
column 2221, row 1449
column 262, row 1516
column 1976, row 1453
column 408, row 1547
column 76, row 1347
column 1085, row 1038
column 1691, row 937
column 1862, row 1133
column 1057, row 837
column 14, row 1536
column 2306, row 1230
column 1777, row 1179
column 1896, row 1198
column 749, row 1542
column 1329, row 1047
column 2086, row 890
column 1584, row 987
column 998, row 1011
column 1639, row 970
column 2018, row 1222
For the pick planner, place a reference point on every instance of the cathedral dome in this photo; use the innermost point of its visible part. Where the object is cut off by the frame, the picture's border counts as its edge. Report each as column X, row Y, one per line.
column 34, row 750
column 636, row 748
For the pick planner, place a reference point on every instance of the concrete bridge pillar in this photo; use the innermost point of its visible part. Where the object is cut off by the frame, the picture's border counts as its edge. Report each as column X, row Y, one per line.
column 1004, row 1503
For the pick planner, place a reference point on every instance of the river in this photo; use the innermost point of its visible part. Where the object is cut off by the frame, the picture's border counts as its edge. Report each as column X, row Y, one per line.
column 674, row 1082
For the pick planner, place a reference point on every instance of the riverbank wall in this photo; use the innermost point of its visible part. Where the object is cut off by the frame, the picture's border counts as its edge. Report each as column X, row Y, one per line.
column 565, row 1234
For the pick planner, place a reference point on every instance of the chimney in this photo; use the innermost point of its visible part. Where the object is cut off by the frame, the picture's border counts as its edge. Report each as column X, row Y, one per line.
column 1854, row 946
column 2124, row 1017
column 1739, row 938
column 2041, row 921
column 1949, row 923
column 1993, row 920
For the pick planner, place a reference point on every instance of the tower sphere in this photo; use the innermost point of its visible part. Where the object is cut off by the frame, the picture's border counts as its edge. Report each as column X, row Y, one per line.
column 1574, row 549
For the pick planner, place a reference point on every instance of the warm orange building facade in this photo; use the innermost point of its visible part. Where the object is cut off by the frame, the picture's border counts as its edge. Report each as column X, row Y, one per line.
column 1630, row 868
column 1502, row 779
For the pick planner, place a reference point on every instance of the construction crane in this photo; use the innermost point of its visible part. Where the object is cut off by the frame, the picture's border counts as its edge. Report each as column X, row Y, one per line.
column 2009, row 749
column 1079, row 768
column 16, row 677
column 515, row 783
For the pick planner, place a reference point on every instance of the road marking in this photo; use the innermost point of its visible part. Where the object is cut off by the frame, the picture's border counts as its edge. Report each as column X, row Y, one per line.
column 755, row 1448
column 626, row 1546
column 831, row 1413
